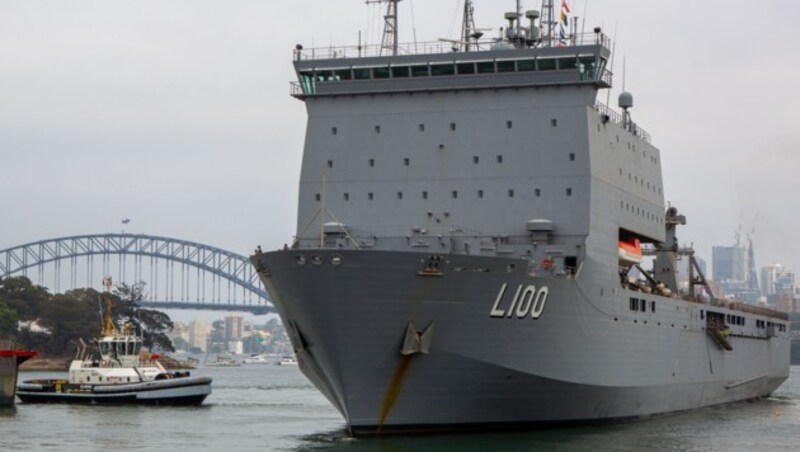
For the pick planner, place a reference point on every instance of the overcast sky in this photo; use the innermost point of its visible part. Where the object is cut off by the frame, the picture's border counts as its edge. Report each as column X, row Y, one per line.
column 176, row 113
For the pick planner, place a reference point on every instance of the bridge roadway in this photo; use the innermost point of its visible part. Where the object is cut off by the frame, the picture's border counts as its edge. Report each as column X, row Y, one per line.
column 155, row 255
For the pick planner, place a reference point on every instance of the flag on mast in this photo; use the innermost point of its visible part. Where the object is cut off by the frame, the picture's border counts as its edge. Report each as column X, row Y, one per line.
column 563, row 24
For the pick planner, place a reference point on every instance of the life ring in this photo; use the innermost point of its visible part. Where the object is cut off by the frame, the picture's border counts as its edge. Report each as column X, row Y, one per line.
column 547, row 263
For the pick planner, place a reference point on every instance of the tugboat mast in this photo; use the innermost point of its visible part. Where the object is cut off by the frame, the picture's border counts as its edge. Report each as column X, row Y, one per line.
column 109, row 329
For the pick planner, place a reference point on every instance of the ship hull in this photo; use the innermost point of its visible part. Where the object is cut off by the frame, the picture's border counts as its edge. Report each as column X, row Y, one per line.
column 179, row 392
column 585, row 358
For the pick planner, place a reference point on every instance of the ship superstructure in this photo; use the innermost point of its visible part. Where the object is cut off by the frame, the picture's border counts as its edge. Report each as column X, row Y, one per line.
column 472, row 230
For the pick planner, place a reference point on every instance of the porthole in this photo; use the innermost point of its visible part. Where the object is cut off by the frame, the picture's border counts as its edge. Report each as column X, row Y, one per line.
column 300, row 259
column 336, row 259
column 316, row 259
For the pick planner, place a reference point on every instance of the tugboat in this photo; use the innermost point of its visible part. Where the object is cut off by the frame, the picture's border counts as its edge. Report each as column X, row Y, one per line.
column 121, row 375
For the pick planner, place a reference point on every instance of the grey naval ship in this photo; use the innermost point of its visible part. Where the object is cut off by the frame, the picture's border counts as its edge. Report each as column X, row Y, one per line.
column 482, row 244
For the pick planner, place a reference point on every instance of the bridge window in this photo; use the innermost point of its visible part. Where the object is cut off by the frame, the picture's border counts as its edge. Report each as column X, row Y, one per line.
column 334, row 131
column 317, row 197
column 380, row 72
column 371, row 162
column 443, row 69
column 362, row 73
column 377, row 129
column 330, row 163
column 401, row 72
column 568, row 63
column 537, row 192
column 347, row 196
column 572, row 157
column 399, row 195
column 633, row 304
column 343, row 74
column 455, row 194
column 307, row 82
column 419, row 71
column 510, row 193
column 466, row 68
column 526, row 65
column 424, row 195
column 407, row 161
column 569, row 192
column 499, row 159
column 506, row 66
column 422, row 127
column 486, row 67
column 370, row 196
column 476, row 159
column 480, row 194
column 452, row 126
column 548, row 64
column 509, row 124
column 643, row 305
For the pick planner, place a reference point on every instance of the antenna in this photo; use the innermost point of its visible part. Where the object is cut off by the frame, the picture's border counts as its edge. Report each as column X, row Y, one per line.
column 389, row 41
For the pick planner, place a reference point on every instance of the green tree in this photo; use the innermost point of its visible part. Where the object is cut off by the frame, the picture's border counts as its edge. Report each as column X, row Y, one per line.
column 68, row 318
column 21, row 295
column 152, row 324
column 8, row 321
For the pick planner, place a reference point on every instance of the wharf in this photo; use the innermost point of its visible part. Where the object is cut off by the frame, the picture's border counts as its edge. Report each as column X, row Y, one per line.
column 10, row 359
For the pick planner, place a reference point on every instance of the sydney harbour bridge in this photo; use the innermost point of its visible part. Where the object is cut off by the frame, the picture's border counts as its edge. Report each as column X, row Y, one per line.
column 178, row 274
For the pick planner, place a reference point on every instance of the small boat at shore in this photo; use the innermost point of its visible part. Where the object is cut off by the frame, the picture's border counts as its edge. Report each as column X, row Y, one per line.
column 122, row 374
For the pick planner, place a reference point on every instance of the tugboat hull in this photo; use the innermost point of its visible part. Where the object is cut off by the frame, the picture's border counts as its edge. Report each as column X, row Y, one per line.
column 177, row 392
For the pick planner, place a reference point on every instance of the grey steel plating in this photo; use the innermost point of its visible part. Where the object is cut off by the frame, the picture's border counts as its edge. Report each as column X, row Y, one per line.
column 457, row 258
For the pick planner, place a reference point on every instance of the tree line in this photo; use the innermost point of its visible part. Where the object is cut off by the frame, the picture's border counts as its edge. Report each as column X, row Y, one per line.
column 53, row 324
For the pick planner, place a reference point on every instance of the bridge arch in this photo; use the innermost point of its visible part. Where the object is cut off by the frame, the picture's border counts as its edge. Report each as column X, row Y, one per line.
column 226, row 265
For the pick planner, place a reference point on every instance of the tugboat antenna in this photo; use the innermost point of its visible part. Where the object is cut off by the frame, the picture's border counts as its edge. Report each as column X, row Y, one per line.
column 390, row 40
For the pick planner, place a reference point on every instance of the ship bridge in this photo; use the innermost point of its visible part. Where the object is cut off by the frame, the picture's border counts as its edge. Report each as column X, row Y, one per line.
column 435, row 66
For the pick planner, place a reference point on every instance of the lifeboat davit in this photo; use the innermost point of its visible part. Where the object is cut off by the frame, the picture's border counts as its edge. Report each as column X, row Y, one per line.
column 630, row 252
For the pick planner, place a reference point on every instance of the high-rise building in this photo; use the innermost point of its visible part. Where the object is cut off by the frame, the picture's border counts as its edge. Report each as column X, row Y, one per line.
column 728, row 263
column 198, row 334
column 234, row 328
column 734, row 271
column 769, row 274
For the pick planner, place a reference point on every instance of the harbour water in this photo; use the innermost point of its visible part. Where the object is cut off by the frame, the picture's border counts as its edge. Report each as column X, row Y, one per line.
column 265, row 407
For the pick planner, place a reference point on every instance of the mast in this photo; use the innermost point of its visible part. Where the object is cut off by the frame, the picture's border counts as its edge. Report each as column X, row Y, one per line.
column 108, row 323
column 389, row 41
column 468, row 25
column 547, row 22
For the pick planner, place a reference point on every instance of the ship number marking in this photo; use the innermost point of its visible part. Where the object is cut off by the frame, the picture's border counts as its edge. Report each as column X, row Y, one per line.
column 525, row 301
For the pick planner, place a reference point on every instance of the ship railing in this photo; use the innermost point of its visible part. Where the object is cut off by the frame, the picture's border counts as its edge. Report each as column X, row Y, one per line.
column 617, row 118
column 436, row 47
